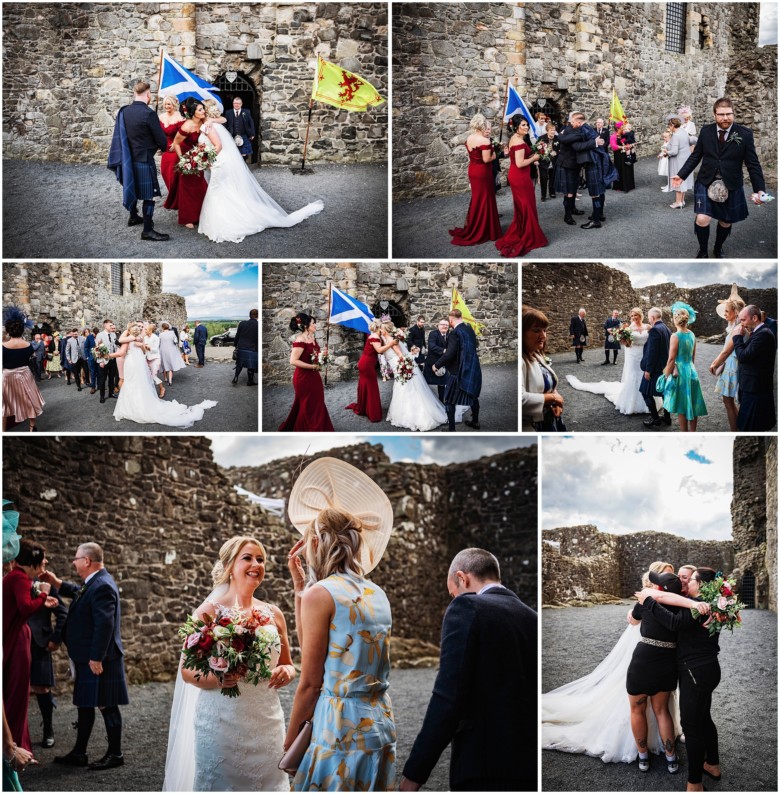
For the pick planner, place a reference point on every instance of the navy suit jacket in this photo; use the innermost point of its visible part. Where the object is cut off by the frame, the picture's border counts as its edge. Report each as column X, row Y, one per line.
column 728, row 159
column 436, row 348
column 460, row 358
column 201, row 335
column 40, row 622
column 91, row 631
column 654, row 357
column 247, row 335
column 484, row 697
column 234, row 128
column 756, row 357
column 144, row 132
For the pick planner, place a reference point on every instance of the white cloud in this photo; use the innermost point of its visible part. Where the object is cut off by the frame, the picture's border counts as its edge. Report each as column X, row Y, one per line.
column 231, row 450
column 213, row 290
column 748, row 273
column 767, row 33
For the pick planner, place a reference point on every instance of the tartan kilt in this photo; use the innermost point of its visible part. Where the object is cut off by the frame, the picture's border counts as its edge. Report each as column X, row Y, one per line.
column 146, row 184
column 596, row 187
column 732, row 210
column 107, row 689
column 567, row 180
column 246, row 358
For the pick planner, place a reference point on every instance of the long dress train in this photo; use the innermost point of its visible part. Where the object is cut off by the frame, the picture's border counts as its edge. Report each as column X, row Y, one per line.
column 368, row 402
column 309, row 412
column 413, row 405
column 482, row 223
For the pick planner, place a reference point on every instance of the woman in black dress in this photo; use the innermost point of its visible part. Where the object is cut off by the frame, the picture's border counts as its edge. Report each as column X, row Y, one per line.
column 653, row 674
column 697, row 662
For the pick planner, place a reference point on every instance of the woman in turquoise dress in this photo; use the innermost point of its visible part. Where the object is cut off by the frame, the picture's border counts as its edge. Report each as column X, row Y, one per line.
column 682, row 395
column 727, row 385
column 344, row 624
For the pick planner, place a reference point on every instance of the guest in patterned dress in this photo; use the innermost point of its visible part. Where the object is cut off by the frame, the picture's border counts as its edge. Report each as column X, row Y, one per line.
column 725, row 364
column 344, row 626
column 21, row 398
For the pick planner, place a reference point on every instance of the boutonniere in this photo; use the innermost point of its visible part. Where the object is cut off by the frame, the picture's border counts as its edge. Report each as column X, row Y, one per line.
column 736, row 138
column 81, row 590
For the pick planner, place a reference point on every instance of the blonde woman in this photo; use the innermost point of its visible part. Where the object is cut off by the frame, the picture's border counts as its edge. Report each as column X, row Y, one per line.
column 152, row 352
column 725, row 364
column 170, row 121
column 482, row 222
column 218, row 743
column 683, row 396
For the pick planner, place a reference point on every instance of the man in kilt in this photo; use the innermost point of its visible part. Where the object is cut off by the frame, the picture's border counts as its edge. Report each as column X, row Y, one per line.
column 91, row 634
column 137, row 136
column 246, row 344
column 721, row 149
column 464, row 374
column 610, row 342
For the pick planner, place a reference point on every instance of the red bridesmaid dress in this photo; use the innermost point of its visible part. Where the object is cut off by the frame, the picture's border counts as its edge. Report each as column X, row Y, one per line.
column 368, row 401
column 482, row 222
column 308, row 412
column 187, row 192
column 168, row 161
column 524, row 234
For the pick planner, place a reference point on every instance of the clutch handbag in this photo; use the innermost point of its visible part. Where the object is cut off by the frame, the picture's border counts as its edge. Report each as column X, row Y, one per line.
column 291, row 760
column 719, row 369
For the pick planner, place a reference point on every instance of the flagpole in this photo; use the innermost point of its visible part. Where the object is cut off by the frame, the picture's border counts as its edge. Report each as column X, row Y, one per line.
column 506, row 99
column 327, row 331
column 306, row 141
column 159, row 82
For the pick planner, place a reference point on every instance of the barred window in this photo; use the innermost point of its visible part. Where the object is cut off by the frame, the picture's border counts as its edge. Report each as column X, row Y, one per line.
column 117, row 278
column 675, row 27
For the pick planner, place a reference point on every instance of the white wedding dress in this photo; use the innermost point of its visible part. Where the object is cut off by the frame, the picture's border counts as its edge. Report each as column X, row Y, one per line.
column 138, row 400
column 235, row 206
column 413, row 405
column 592, row 715
column 219, row 743
column 624, row 394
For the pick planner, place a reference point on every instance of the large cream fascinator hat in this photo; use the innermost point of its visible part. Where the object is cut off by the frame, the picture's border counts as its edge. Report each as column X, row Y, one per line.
column 332, row 483
column 721, row 307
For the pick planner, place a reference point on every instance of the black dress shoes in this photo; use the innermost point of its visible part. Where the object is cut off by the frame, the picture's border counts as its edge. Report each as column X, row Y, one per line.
column 666, row 418
column 575, row 211
column 48, row 740
column 591, row 225
column 652, row 422
column 717, row 253
column 108, row 761
column 702, row 254
column 472, row 423
column 568, row 219
column 156, row 236
column 135, row 220
column 72, row 759
column 102, row 399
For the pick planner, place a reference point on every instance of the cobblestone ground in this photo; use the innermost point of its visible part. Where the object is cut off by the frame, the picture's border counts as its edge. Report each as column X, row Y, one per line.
column 744, row 706
column 639, row 224
column 593, row 412
column 146, row 738
column 59, row 211
column 498, row 404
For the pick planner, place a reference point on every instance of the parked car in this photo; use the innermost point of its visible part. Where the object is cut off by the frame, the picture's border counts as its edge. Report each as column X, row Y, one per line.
column 225, row 339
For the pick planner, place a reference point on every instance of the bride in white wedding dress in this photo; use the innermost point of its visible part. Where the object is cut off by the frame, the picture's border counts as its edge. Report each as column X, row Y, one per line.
column 624, row 394
column 413, row 405
column 138, row 400
column 218, row 743
column 235, row 205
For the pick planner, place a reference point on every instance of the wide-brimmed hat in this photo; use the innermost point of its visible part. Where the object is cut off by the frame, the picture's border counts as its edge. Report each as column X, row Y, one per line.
column 721, row 307
column 669, row 582
column 332, row 483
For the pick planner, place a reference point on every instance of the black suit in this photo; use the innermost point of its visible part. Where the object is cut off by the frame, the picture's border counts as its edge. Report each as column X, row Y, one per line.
column 484, row 698
column 246, row 344
column 578, row 328
column 437, row 344
column 655, row 354
column 756, row 357
column 416, row 338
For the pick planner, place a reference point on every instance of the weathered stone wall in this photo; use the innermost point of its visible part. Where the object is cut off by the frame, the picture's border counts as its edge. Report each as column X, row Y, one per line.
column 453, row 60
column 559, row 290
column 161, row 508
column 580, row 561
column 67, row 68
column 78, row 294
column 490, row 291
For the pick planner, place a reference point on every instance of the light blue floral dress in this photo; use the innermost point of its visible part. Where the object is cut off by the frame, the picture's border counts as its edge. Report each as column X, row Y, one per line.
column 353, row 733
column 727, row 384
column 684, row 395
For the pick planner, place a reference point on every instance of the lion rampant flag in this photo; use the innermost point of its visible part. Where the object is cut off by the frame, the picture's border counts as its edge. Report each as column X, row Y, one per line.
column 616, row 112
column 457, row 302
column 342, row 89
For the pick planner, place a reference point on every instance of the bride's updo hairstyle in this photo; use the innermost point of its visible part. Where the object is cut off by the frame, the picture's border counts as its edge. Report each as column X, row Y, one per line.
column 212, row 109
column 228, row 554
column 388, row 328
column 656, row 567
column 681, row 318
column 332, row 543
column 301, row 322
column 375, row 327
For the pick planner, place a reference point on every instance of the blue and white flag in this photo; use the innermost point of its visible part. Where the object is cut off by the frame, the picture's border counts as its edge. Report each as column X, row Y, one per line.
column 515, row 105
column 177, row 81
column 345, row 310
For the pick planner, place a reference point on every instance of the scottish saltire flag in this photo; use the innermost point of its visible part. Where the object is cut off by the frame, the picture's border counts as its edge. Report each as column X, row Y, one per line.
column 345, row 310
column 177, row 81
column 515, row 105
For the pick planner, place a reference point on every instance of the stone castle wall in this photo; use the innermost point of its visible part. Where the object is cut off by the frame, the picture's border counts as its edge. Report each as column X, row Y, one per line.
column 559, row 290
column 490, row 291
column 453, row 60
column 161, row 508
column 69, row 67
column 77, row 294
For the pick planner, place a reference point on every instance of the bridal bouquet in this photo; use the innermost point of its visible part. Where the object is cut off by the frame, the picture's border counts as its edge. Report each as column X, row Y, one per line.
column 544, row 150
column 399, row 335
column 321, row 359
column 230, row 641
column 100, row 354
column 722, row 596
column 405, row 369
column 197, row 160
column 623, row 335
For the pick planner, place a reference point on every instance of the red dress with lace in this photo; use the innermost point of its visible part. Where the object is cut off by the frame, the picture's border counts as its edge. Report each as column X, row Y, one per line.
column 308, row 412
column 482, row 222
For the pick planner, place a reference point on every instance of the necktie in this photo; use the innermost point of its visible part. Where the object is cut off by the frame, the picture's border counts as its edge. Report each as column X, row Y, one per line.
column 721, row 138
column 236, row 114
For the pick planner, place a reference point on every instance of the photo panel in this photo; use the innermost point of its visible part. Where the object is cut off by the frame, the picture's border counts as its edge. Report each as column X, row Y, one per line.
column 701, row 519
column 398, row 361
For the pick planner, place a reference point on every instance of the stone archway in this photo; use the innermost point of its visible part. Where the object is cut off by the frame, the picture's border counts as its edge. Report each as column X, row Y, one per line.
column 748, row 593
column 551, row 108
column 237, row 84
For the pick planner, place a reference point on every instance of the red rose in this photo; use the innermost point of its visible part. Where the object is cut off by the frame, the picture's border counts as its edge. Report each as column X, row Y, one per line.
column 224, row 621
column 238, row 644
column 206, row 642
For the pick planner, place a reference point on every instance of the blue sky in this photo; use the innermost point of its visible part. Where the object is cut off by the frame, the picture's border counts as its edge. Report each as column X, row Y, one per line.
column 681, row 484
column 767, row 33
column 214, row 290
column 253, row 451
column 746, row 273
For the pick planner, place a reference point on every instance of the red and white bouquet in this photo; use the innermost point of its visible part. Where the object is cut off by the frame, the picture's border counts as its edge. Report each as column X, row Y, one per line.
column 399, row 335
column 623, row 335
column 197, row 160
column 230, row 641
column 721, row 595
column 321, row 359
column 405, row 369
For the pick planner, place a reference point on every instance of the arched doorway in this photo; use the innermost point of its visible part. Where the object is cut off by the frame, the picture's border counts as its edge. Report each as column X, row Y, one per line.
column 550, row 108
column 748, row 594
column 237, row 84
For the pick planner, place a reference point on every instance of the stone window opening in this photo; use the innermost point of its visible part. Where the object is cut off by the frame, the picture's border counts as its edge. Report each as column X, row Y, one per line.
column 675, row 27
column 748, row 594
column 241, row 87
column 117, row 278
column 133, row 285
column 550, row 108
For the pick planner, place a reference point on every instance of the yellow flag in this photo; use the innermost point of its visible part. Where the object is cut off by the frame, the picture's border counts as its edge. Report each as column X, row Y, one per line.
column 458, row 303
column 342, row 89
column 616, row 109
